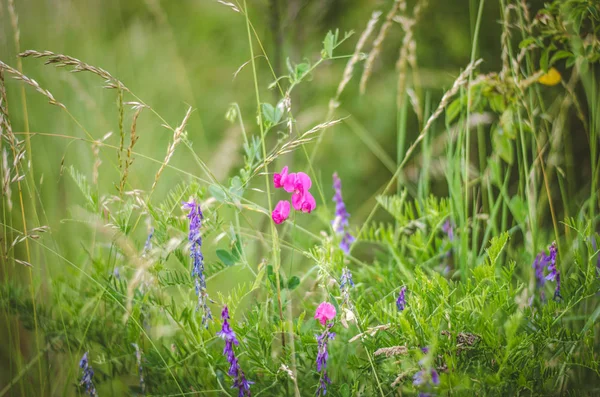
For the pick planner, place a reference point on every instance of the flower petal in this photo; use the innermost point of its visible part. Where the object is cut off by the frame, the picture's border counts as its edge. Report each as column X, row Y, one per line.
column 279, row 178
column 281, row 212
column 303, row 180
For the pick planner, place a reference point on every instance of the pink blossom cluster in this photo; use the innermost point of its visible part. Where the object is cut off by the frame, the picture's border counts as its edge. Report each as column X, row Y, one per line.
column 297, row 183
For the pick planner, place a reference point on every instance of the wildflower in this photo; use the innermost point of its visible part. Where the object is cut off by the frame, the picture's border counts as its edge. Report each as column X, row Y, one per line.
column 195, row 238
column 448, row 228
column 554, row 274
column 148, row 244
column 325, row 312
column 426, row 378
column 279, row 179
column 340, row 223
column 549, row 262
column 538, row 266
column 401, row 301
column 88, row 374
column 281, row 212
column 298, row 184
column 552, row 77
column 116, row 273
column 138, row 358
column 239, row 378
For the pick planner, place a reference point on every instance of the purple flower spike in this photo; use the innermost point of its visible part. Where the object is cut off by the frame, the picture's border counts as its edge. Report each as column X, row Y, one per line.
column 340, row 223
column 554, row 274
column 88, row 375
column 543, row 261
column 448, row 228
column 322, row 356
column 235, row 371
column 401, row 301
column 195, row 238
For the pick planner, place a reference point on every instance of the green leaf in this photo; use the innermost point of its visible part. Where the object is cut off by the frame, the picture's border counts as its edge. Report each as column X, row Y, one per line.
column 544, row 59
column 453, row 110
column 301, row 70
column 271, row 114
column 217, row 192
column 496, row 246
column 497, row 103
column 503, row 145
column 507, row 123
column 558, row 55
column 293, row 282
column 518, row 208
column 328, row 44
column 226, row 257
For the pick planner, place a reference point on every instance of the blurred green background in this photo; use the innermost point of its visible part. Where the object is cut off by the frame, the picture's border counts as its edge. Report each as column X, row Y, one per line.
column 175, row 54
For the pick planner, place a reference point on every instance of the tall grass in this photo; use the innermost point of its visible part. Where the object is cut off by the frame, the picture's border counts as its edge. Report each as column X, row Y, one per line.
column 480, row 182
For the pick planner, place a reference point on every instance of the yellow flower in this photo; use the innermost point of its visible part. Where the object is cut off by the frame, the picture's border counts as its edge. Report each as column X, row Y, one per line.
column 550, row 78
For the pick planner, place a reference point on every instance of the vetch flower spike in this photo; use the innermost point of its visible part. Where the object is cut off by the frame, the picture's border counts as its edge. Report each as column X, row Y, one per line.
column 281, row 212
column 553, row 273
column 239, row 378
column 88, row 375
column 401, row 301
column 195, row 238
column 325, row 312
column 340, row 223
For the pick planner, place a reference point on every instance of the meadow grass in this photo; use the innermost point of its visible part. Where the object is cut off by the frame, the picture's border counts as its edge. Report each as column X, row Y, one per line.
column 140, row 254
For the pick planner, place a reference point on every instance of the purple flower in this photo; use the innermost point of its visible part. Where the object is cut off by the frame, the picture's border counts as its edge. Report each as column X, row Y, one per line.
column 401, row 301
column 448, row 228
column 538, row 265
column 322, row 356
column 88, row 374
column 553, row 273
column 195, row 238
column 426, row 378
column 340, row 223
column 549, row 262
column 239, row 378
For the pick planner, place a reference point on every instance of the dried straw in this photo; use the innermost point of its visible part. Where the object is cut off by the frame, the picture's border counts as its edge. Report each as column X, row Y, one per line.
column 176, row 140
column 377, row 44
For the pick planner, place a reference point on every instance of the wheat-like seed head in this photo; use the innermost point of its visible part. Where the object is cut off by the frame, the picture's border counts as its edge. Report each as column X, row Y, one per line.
column 176, row 140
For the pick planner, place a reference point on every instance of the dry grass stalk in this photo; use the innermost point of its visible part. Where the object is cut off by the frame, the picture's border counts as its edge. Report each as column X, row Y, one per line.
column 355, row 58
column 60, row 60
column 461, row 80
column 377, row 44
column 133, row 139
column 407, row 52
column 176, row 140
column 14, row 21
column 370, row 331
column 31, row 82
column 96, row 152
column 6, row 190
column 391, row 351
column 289, row 146
column 230, row 5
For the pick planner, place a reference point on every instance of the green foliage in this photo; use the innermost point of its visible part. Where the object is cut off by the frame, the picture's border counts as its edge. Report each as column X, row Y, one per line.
column 118, row 273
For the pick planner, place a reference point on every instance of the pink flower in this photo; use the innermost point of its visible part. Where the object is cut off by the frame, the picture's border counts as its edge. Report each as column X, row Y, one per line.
column 298, row 184
column 281, row 211
column 279, row 179
column 325, row 312
column 303, row 202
